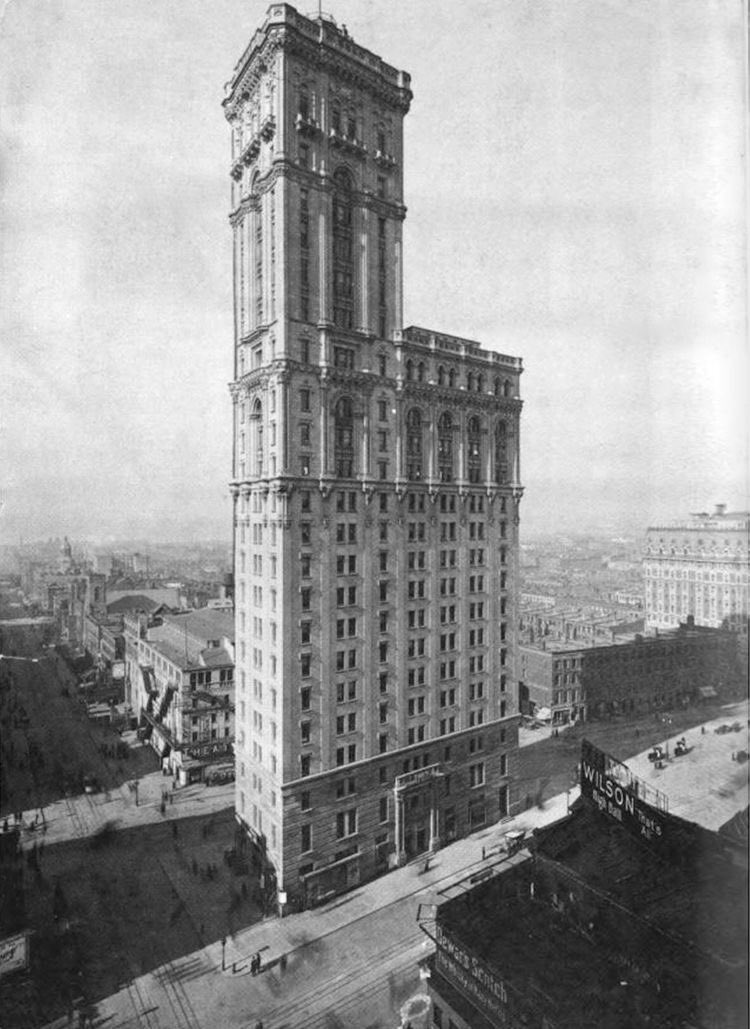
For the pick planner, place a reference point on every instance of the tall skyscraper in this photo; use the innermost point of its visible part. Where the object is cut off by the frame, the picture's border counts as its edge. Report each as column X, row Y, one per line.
column 376, row 491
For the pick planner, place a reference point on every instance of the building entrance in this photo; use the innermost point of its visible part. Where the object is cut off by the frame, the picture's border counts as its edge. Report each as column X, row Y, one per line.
column 417, row 820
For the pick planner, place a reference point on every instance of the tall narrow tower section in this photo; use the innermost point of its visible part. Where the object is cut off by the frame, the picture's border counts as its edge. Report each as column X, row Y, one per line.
column 376, row 489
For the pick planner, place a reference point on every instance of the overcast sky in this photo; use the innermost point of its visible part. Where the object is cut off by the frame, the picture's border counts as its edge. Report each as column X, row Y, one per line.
column 575, row 190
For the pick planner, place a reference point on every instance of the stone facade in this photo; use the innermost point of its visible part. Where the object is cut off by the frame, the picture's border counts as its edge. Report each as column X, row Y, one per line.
column 699, row 567
column 376, row 491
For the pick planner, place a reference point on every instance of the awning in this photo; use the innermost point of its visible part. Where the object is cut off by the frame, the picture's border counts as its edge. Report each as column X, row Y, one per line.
column 707, row 691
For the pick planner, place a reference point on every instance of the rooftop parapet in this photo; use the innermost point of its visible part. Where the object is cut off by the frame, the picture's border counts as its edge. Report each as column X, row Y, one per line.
column 322, row 31
column 459, row 347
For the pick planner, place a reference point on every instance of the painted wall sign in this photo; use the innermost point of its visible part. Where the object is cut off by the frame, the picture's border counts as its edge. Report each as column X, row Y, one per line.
column 617, row 799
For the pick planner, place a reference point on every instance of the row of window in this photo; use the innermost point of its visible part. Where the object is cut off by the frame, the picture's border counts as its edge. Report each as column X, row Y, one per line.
column 347, row 820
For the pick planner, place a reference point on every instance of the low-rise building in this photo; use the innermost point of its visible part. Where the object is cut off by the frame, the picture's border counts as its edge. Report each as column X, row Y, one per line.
column 624, row 917
column 182, row 687
column 630, row 675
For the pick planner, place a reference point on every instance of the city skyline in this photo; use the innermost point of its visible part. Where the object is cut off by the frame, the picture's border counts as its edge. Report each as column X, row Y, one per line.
column 594, row 203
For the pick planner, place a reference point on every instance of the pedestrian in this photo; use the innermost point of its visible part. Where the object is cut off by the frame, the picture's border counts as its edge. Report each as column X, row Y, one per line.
column 426, row 864
column 483, row 853
column 703, row 730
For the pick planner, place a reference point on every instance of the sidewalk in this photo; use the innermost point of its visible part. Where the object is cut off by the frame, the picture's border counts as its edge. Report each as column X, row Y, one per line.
column 201, row 985
column 365, row 937
column 84, row 814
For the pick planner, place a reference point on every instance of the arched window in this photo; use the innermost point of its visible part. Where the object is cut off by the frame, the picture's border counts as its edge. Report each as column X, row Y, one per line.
column 414, row 444
column 343, row 442
column 501, row 452
column 480, row 383
column 498, row 387
column 409, row 370
column 445, row 447
column 441, row 375
column 420, row 372
column 507, row 388
column 470, row 381
column 256, row 418
column 474, row 450
column 343, row 263
column 452, row 377
column 336, row 119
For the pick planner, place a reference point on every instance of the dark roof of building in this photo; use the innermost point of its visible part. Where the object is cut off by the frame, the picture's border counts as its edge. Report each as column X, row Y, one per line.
column 737, row 827
column 598, row 927
column 132, row 602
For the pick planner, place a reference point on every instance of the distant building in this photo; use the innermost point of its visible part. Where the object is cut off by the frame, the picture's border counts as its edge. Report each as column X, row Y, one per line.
column 540, row 622
column 699, row 567
column 629, row 676
column 182, row 688
column 624, row 917
column 376, row 490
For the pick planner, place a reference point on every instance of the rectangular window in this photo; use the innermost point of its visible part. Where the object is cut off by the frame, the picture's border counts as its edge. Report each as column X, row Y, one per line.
column 476, row 774
column 346, row 823
column 383, row 809
column 306, row 844
column 305, row 802
column 304, row 399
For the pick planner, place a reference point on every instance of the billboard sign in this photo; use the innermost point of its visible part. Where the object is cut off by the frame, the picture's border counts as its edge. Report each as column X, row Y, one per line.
column 619, row 795
column 475, row 980
column 14, row 953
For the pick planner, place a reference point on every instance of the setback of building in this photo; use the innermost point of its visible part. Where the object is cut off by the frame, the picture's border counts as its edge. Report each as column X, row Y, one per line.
column 624, row 916
column 376, row 490
column 631, row 676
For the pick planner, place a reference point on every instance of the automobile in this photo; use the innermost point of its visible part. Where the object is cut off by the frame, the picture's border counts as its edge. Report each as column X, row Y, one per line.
column 680, row 747
column 736, row 727
column 721, row 730
column 90, row 784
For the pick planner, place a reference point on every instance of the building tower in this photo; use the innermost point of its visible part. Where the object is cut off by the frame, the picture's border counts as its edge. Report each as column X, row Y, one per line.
column 376, row 491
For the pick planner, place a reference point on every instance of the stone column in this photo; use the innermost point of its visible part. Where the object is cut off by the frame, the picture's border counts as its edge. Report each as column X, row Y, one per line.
column 399, row 827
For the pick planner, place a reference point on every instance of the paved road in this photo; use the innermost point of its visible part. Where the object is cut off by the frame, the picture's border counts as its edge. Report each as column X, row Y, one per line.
column 354, row 962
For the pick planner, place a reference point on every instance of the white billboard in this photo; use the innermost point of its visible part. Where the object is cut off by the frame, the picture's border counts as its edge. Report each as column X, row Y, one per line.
column 14, row 953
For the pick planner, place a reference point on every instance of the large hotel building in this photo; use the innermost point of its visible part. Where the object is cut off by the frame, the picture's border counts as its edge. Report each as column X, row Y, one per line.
column 700, row 567
column 376, row 491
